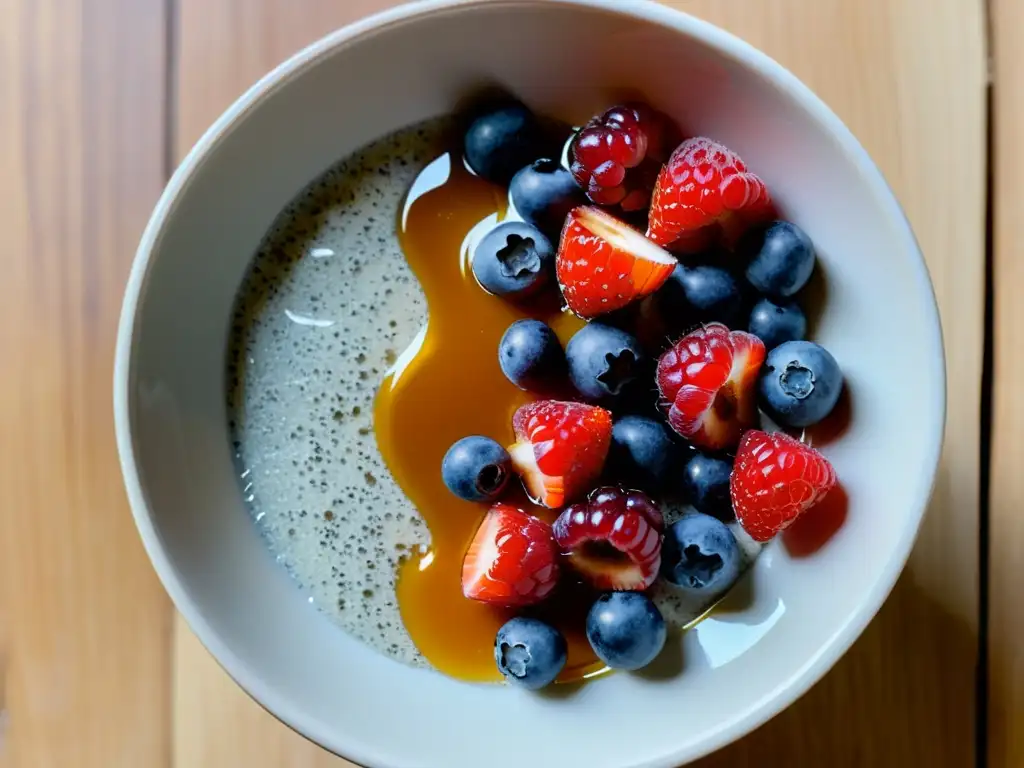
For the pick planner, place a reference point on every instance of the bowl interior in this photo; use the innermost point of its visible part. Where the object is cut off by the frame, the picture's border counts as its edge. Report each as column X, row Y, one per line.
column 790, row 618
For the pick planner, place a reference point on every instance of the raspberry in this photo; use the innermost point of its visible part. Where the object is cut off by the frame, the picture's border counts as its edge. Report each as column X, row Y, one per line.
column 616, row 156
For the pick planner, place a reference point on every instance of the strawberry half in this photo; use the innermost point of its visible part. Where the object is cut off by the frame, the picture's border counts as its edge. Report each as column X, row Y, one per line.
column 703, row 187
column 775, row 479
column 560, row 448
column 603, row 264
column 512, row 560
column 707, row 382
column 613, row 539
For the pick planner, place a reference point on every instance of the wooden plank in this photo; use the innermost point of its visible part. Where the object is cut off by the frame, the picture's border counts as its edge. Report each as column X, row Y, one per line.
column 84, row 623
column 914, row 95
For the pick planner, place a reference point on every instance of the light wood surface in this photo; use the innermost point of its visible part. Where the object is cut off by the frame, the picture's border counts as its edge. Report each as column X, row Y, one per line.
column 96, row 670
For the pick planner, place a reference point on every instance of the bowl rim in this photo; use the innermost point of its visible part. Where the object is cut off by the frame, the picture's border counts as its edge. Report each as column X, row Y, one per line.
column 751, row 715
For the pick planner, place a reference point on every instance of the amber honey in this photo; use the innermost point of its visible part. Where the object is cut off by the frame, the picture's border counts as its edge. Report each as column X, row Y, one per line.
column 447, row 386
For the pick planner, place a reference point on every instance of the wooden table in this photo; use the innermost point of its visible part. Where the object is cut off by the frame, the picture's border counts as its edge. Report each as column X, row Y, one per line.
column 100, row 98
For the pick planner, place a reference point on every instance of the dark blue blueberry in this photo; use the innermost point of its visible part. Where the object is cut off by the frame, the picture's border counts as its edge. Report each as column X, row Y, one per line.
column 476, row 469
column 603, row 361
column 706, row 482
column 531, row 357
column 543, row 193
column 501, row 141
column 781, row 259
column 800, row 383
column 776, row 324
column 698, row 294
column 700, row 554
column 642, row 453
column 626, row 630
column 529, row 652
column 514, row 260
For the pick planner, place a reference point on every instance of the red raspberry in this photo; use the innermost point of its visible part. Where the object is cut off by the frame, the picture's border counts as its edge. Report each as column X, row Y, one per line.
column 775, row 479
column 616, row 156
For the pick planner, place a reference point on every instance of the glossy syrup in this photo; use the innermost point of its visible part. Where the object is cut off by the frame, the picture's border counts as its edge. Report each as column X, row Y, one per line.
column 448, row 385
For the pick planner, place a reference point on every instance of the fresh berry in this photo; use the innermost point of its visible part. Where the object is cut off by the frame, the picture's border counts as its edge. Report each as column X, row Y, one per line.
column 776, row 324
column 531, row 357
column 642, row 452
column 800, row 384
column 603, row 264
column 513, row 260
column 512, row 560
column 543, row 193
column 776, row 478
column 703, row 185
column 699, row 294
column 529, row 653
column 781, row 259
column 707, row 385
column 501, row 141
column 560, row 449
column 613, row 539
column 603, row 361
column 476, row 469
column 700, row 554
column 706, row 482
column 626, row 630
column 615, row 157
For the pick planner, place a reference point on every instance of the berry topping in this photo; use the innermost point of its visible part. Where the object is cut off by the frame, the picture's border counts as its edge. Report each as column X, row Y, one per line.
column 781, row 259
column 626, row 630
column 560, row 448
column 707, row 385
column 700, row 554
column 613, row 539
column 704, row 184
column 776, row 324
column 642, row 452
column 543, row 193
column 501, row 141
column 615, row 157
column 776, row 479
column 476, row 469
column 603, row 361
column 695, row 295
column 512, row 560
column 603, row 264
column 513, row 260
column 800, row 384
column 531, row 357
column 529, row 653
column 706, row 482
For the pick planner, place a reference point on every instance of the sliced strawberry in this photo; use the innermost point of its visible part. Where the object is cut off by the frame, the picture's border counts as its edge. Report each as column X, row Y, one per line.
column 560, row 448
column 775, row 479
column 613, row 539
column 707, row 382
column 705, row 186
column 603, row 264
column 512, row 560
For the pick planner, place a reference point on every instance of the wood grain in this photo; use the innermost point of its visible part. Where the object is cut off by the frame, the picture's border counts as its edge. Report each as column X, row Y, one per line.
column 914, row 94
column 1006, row 523
column 84, row 624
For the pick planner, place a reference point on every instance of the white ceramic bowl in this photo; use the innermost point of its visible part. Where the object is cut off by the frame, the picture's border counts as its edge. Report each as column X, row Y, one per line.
column 739, row 667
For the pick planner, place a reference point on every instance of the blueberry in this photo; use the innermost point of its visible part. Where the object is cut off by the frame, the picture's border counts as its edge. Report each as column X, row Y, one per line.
column 529, row 652
column 642, row 451
column 700, row 554
column 543, row 193
column 626, row 630
column 781, row 259
column 603, row 361
column 800, row 383
column 706, row 482
column 530, row 356
column 501, row 141
column 514, row 260
column 698, row 294
column 476, row 468
column 776, row 324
